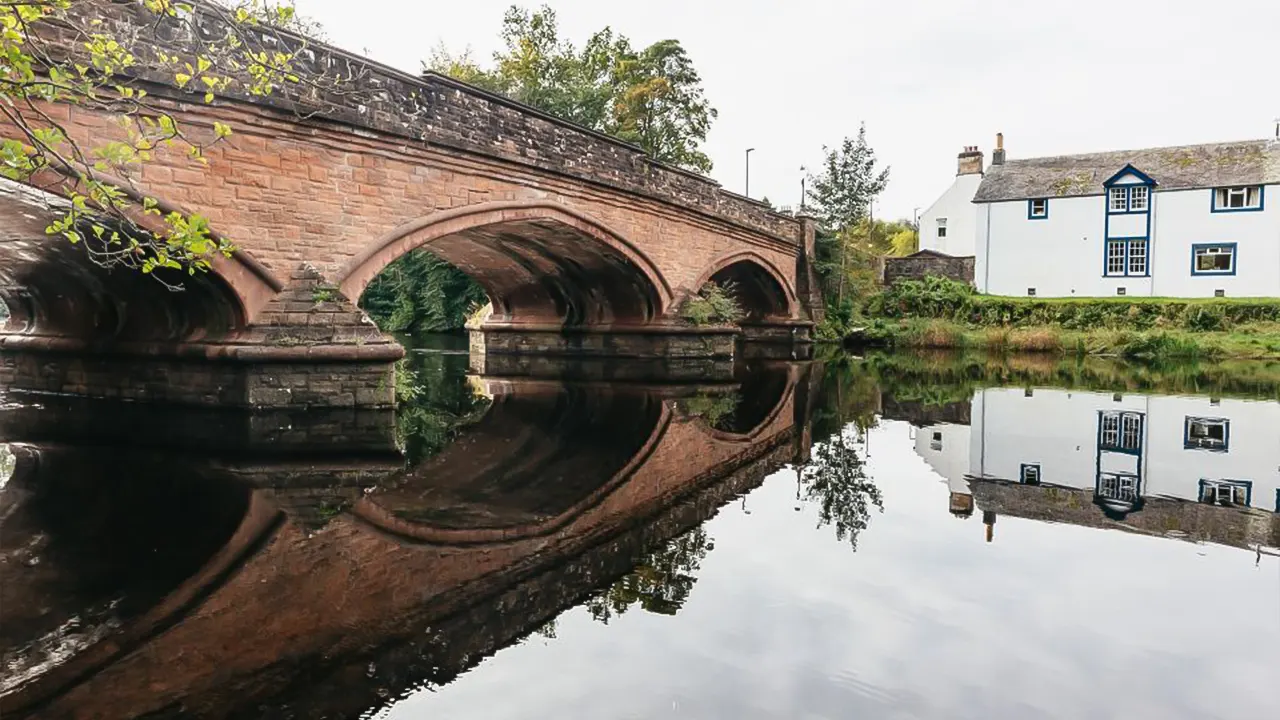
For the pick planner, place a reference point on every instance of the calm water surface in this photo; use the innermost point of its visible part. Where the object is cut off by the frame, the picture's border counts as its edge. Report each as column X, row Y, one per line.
column 893, row 537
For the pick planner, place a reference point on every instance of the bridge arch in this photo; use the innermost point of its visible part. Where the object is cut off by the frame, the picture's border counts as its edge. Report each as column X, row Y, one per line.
column 760, row 287
column 53, row 288
column 539, row 262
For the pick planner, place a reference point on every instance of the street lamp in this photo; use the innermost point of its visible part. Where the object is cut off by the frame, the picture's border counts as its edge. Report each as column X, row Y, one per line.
column 747, row 190
column 803, row 171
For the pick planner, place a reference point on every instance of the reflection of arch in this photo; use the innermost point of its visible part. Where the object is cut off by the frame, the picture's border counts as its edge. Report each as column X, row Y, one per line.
column 252, row 521
column 763, row 290
column 652, row 418
column 53, row 288
column 764, row 393
column 539, row 261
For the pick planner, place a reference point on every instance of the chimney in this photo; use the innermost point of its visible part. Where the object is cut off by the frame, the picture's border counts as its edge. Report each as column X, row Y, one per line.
column 970, row 161
column 997, row 156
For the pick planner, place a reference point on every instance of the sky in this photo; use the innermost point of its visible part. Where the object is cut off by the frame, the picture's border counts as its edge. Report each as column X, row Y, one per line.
column 927, row 77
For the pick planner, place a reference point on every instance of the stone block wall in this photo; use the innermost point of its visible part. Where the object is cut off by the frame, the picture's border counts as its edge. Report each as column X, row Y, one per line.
column 919, row 266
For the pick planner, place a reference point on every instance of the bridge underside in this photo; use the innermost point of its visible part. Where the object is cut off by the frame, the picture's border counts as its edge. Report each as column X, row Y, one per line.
column 239, row 336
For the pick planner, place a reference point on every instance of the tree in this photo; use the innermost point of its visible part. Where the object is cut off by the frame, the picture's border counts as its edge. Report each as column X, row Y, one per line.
column 841, row 197
column 661, row 581
column 59, row 51
column 836, row 479
column 651, row 97
column 421, row 293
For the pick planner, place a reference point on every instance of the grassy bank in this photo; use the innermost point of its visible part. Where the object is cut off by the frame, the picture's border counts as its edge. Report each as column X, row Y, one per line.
column 937, row 313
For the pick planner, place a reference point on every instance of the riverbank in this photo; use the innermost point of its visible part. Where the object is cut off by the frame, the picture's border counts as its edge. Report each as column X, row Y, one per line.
column 937, row 313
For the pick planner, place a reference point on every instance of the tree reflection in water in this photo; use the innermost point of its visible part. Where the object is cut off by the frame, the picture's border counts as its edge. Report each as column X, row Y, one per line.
column 661, row 581
column 836, row 479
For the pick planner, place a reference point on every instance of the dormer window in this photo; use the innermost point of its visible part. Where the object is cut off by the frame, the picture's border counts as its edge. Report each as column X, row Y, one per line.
column 1235, row 199
column 1138, row 198
column 1037, row 209
column 1119, row 199
column 1129, row 191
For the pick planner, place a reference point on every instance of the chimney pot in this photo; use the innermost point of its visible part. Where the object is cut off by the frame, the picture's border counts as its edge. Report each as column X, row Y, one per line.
column 997, row 155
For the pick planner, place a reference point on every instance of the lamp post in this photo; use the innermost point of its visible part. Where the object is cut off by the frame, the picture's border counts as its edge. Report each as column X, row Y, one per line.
column 802, row 195
column 747, row 189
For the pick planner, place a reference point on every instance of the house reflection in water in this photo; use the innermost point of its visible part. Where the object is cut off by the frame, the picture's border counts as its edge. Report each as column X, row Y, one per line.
column 1194, row 467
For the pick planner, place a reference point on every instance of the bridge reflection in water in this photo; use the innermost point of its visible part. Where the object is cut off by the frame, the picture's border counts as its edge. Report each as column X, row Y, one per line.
column 223, row 564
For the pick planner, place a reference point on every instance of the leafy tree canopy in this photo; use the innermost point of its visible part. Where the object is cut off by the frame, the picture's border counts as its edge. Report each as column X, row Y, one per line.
column 652, row 97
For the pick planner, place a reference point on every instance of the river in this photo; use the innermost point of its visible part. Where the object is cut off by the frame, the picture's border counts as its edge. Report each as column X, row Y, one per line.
column 896, row 536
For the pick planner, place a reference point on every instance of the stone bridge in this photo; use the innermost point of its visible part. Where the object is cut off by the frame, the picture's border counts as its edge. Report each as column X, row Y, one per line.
column 583, row 243
column 419, row 573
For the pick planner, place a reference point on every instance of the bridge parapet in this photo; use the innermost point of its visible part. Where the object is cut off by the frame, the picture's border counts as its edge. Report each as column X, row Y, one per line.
column 442, row 111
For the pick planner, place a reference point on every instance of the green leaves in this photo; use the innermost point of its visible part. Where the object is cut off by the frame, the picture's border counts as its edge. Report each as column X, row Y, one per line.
column 652, row 98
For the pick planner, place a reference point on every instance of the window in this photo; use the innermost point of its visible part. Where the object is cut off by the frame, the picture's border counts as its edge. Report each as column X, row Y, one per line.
column 1137, row 257
column 942, row 227
column 1127, row 257
column 1119, row 200
column 1207, row 434
column 1226, row 492
column 936, row 443
column 1121, row 487
column 1138, row 198
column 1121, row 431
column 1213, row 259
column 1237, row 198
column 1116, row 256
column 1037, row 209
column 1030, row 474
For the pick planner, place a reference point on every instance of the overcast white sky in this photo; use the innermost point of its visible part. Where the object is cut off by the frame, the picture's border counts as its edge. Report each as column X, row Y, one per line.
column 927, row 76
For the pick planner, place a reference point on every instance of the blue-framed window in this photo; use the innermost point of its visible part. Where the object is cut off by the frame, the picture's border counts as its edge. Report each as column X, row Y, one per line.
column 1029, row 474
column 1125, row 199
column 1118, row 487
column 1244, row 198
column 1226, row 492
column 1038, row 209
column 1213, row 259
column 1120, row 431
column 1278, row 500
column 1205, row 433
column 1126, row 257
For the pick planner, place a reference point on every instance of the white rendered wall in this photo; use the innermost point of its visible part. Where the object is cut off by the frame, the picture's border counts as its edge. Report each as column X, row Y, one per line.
column 1058, row 430
column 1062, row 256
column 956, row 205
column 948, row 457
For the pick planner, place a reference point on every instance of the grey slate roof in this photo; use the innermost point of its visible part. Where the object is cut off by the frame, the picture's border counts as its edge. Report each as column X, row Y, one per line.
column 1252, row 162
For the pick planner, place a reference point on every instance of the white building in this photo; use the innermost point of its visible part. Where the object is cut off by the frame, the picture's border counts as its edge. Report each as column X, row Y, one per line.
column 1125, row 448
column 950, row 225
column 1192, row 221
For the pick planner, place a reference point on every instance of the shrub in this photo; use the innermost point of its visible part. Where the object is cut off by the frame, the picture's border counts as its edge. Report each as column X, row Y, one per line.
column 713, row 305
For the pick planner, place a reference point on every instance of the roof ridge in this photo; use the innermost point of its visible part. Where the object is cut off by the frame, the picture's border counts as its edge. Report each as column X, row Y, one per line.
column 1161, row 148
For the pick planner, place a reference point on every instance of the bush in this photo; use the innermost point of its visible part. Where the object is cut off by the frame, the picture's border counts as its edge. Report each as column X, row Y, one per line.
column 943, row 299
column 713, row 305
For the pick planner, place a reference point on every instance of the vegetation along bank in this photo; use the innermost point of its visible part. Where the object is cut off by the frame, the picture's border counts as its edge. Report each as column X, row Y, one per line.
column 940, row 313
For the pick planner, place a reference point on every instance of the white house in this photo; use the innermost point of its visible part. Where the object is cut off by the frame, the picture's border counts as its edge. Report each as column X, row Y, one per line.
column 1125, row 448
column 1191, row 221
column 950, row 225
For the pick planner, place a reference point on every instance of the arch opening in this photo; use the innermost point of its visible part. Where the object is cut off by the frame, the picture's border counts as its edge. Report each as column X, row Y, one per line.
column 539, row 264
column 760, row 295
column 52, row 287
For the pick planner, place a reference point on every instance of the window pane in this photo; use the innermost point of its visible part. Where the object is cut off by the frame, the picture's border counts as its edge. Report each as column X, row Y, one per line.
column 1115, row 257
column 1235, row 198
column 1138, row 257
column 1254, row 198
column 1138, row 198
column 1119, row 199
